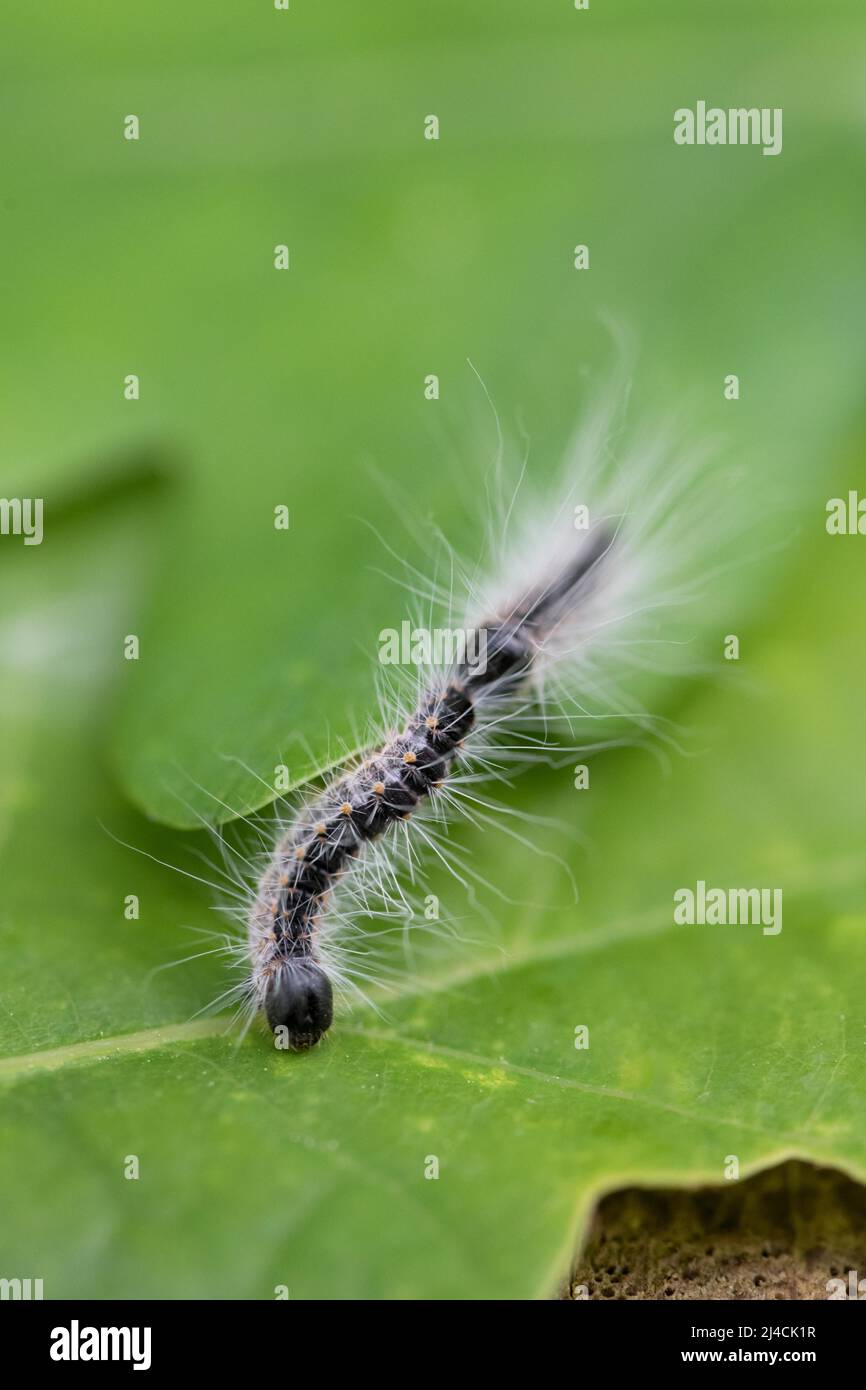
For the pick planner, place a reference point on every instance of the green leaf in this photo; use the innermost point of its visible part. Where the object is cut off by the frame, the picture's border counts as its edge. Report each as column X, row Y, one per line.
column 407, row 257
column 260, row 1169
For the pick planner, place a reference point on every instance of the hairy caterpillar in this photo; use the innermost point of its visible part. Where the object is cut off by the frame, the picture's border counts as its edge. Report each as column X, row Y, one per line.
column 288, row 980
column 581, row 606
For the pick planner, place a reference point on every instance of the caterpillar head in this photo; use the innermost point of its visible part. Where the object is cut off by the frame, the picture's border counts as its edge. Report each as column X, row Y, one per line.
column 299, row 998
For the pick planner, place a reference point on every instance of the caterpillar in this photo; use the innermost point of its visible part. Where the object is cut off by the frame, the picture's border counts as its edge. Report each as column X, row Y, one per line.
column 580, row 605
column 581, row 601
column 289, row 980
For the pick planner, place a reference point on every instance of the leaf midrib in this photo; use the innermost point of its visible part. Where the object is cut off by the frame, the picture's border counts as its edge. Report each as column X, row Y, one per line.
column 20, row 1066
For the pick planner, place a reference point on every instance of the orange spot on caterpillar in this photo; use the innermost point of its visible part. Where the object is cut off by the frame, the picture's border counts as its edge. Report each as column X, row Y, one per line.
column 346, row 808
column 320, row 827
column 431, row 721
column 379, row 788
column 409, row 758
column 300, row 852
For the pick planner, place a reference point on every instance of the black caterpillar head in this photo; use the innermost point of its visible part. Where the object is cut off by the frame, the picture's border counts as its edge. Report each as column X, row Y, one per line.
column 299, row 998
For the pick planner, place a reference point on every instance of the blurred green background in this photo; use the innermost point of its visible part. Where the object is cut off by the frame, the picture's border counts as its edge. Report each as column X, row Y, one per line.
column 408, row 257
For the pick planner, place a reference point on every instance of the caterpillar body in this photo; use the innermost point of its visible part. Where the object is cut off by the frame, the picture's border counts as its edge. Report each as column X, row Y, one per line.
column 580, row 620
column 289, row 979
